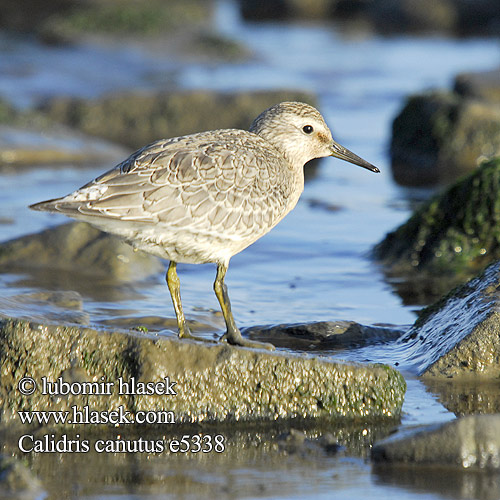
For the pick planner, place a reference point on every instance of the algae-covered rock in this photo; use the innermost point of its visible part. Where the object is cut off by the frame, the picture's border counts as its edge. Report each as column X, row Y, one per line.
column 136, row 119
column 458, row 336
column 206, row 382
column 471, row 442
column 79, row 248
column 451, row 236
column 440, row 135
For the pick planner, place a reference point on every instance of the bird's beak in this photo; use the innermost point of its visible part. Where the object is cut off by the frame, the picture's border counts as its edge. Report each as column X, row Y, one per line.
column 339, row 151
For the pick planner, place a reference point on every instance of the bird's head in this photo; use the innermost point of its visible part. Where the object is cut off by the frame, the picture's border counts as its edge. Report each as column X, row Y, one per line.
column 299, row 131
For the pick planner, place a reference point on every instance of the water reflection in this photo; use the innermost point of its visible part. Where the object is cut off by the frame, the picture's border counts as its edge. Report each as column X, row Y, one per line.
column 456, row 485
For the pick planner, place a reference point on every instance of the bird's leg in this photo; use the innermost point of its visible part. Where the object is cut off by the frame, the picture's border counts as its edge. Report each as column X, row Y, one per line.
column 175, row 292
column 232, row 335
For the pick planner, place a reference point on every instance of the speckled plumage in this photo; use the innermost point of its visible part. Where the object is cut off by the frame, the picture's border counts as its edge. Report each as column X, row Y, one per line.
column 207, row 196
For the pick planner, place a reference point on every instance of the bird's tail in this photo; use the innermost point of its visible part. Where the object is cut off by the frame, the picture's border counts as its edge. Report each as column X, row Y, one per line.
column 46, row 206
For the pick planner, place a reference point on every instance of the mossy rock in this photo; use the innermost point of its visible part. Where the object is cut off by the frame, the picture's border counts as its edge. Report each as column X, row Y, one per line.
column 454, row 234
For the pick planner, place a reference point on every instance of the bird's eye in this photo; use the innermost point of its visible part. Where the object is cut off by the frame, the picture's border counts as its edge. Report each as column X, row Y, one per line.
column 307, row 129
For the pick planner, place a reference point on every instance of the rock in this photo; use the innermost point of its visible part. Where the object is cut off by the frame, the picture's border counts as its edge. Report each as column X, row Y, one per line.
column 478, row 17
column 458, row 336
column 138, row 119
column 213, row 382
column 209, row 46
column 452, row 236
column 323, row 335
column 453, row 17
column 21, row 146
column 120, row 17
column 467, row 443
column 286, row 9
column 17, row 481
column 27, row 16
column 296, row 442
column 64, row 306
column 7, row 112
column 484, row 85
column 457, row 17
column 439, row 136
column 403, row 16
column 179, row 29
column 207, row 323
column 81, row 249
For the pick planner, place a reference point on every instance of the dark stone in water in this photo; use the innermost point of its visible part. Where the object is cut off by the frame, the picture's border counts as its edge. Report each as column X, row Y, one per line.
column 323, row 334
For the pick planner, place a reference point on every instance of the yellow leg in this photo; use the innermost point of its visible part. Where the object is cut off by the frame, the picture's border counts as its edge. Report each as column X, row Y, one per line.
column 232, row 335
column 175, row 292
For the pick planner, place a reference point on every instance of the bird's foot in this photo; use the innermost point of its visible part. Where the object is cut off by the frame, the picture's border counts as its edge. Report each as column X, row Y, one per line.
column 235, row 338
column 185, row 333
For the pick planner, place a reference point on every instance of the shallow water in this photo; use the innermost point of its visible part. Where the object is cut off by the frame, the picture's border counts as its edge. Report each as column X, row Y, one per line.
column 314, row 266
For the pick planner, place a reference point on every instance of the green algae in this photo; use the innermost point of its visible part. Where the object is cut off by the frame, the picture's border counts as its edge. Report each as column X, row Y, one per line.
column 456, row 232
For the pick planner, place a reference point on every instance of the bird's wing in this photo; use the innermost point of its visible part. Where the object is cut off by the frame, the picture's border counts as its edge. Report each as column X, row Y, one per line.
column 210, row 182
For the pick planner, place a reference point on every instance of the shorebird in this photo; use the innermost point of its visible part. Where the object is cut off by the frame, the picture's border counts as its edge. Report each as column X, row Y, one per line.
column 205, row 197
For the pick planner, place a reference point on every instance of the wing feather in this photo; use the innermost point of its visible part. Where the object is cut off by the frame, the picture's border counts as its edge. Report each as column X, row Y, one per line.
column 227, row 182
